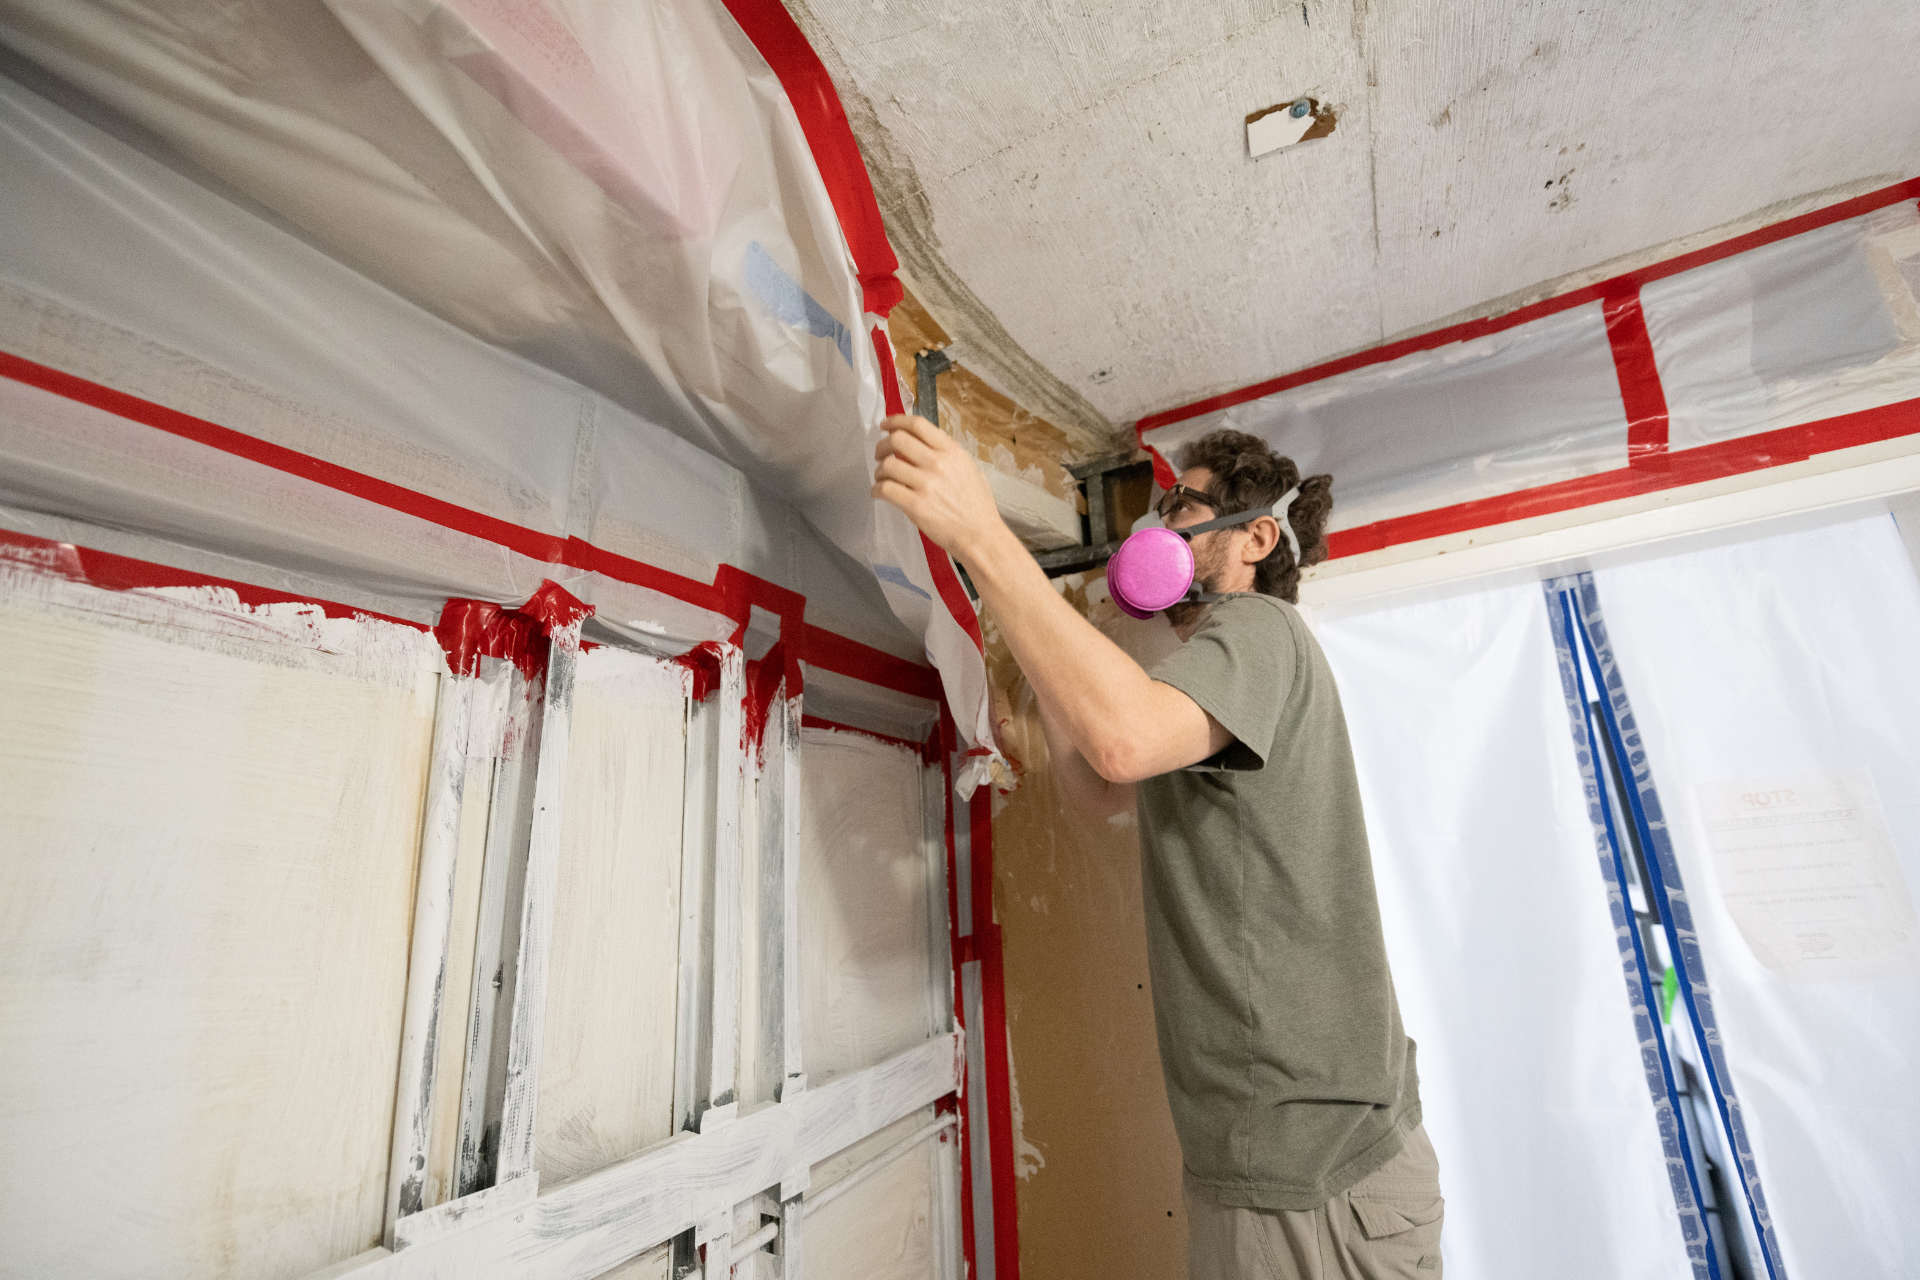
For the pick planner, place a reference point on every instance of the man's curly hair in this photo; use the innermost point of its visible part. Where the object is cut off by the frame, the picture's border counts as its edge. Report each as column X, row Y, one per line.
column 1248, row 474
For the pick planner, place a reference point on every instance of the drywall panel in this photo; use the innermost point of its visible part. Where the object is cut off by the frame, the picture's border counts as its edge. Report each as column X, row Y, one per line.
column 885, row 1228
column 866, row 975
column 208, row 829
column 606, row 1074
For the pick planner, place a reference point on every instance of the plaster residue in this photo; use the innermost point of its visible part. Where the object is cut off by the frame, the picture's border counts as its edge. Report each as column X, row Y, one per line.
column 866, row 973
column 206, row 882
column 1027, row 1159
column 48, row 579
column 606, row 1074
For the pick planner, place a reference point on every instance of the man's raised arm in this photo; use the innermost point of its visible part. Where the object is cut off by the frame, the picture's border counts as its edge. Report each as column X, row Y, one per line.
column 1123, row 725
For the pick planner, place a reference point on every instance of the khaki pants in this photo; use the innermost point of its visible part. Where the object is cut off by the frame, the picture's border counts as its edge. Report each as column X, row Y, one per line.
column 1386, row 1225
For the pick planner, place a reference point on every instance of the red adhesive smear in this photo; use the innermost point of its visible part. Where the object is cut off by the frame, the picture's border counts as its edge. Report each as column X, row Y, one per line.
column 764, row 678
column 555, row 608
column 703, row 663
column 110, row 572
column 1639, row 374
column 731, row 594
column 1680, row 467
column 993, row 1013
column 472, row 629
column 1613, row 287
column 775, row 34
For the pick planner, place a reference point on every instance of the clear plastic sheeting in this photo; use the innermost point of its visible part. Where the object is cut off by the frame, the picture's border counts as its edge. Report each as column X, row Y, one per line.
column 1513, row 410
column 1811, row 327
column 1817, row 325
column 1501, row 941
column 1776, row 694
column 622, row 193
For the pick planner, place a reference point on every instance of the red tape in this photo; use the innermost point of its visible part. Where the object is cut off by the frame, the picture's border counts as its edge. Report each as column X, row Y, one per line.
column 1680, row 467
column 993, row 1039
column 835, row 154
column 1640, row 391
column 1908, row 190
column 469, row 630
column 732, row 593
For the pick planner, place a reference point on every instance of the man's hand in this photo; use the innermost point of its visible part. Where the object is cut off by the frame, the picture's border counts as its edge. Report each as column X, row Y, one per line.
column 926, row 474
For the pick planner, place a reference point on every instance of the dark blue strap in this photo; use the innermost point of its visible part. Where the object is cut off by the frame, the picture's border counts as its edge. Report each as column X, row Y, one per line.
column 1683, row 1180
column 1676, row 916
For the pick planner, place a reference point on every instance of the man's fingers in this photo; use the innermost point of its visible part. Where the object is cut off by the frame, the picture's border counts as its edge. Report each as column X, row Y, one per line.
column 896, row 469
column 912, row 424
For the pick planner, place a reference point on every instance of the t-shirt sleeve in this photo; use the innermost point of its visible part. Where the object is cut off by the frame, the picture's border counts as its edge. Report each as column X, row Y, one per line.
column 1239, row 668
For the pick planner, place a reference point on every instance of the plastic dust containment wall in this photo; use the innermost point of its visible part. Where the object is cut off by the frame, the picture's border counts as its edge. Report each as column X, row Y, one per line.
column 1664, row 805
column 410, row 865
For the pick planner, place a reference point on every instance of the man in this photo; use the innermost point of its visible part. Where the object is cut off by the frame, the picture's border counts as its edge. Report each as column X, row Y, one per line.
column 1292, row 1084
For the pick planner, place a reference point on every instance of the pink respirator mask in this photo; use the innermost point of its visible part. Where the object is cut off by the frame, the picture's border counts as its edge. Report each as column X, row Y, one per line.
column 1153, row 569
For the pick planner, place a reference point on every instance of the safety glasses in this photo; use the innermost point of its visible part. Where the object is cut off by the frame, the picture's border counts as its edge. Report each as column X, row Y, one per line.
column 1181, row 498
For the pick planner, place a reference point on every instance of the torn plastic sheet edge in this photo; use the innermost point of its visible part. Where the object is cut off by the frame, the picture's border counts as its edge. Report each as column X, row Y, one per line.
column 732, row 593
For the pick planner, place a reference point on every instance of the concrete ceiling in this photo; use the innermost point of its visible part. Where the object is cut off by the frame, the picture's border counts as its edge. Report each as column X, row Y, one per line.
column 1069, row 189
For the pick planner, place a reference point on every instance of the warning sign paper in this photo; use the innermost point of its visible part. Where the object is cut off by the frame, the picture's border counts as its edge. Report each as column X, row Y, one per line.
column 1807, row 870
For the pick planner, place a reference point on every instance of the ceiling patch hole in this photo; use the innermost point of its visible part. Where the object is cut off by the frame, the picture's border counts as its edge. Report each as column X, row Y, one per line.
column 1101, row 375
column 1286, row 123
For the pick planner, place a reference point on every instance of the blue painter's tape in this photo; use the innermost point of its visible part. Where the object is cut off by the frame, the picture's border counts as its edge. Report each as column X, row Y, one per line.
column 794, row 305
column 898, row 577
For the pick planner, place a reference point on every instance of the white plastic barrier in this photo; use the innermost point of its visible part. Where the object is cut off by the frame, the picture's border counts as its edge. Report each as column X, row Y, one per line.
column 1776, row 692
column 1502, row 946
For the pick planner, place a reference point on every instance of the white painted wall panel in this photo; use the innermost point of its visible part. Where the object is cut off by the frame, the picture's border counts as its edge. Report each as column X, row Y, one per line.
column 206, row 873
column 884, row 1228
column 866, row 977
column 606, row 1076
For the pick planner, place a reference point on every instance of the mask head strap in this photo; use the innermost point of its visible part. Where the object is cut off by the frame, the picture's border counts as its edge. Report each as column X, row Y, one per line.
column 1278, row 511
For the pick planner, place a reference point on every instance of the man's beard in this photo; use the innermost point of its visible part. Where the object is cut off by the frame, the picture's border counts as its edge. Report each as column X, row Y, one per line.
column 1209, row 567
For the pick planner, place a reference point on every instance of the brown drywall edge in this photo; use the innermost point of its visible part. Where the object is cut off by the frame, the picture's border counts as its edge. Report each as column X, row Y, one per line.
column 968, row 405
column 1098, row 1162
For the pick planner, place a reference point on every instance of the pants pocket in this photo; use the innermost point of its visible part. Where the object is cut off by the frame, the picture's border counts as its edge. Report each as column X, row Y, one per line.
column 1400, row 1234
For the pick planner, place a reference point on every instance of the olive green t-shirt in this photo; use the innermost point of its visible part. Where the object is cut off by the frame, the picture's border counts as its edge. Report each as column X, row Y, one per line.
column 1288, row 1071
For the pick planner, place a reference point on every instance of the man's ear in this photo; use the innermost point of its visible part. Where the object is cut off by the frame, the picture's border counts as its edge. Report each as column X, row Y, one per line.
column 1266, row 536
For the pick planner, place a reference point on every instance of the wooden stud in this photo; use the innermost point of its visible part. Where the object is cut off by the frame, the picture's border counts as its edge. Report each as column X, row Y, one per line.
column 496, row 945
column 522, row 1095
column 427, row 964
column 582, row 1228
